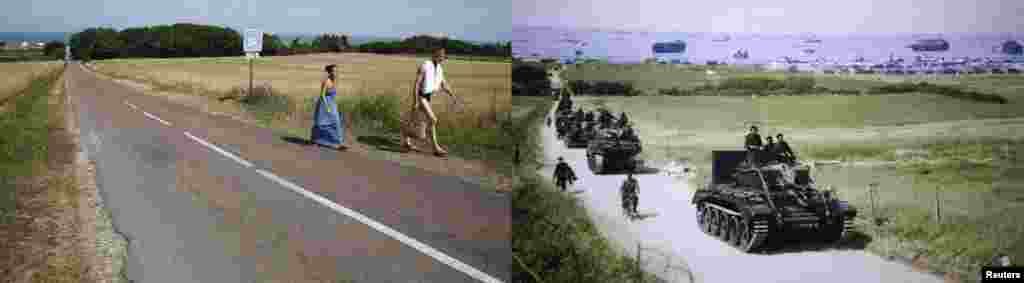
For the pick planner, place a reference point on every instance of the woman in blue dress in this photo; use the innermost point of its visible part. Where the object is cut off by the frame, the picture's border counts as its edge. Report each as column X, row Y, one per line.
column 328, row 127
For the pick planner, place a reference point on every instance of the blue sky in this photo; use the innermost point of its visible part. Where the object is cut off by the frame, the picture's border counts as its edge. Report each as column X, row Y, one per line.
column 486, row 20
column 776, row 16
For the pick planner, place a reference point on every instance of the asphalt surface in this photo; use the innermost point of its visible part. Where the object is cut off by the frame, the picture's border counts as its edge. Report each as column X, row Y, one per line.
column 674, row 245
column 204, row 198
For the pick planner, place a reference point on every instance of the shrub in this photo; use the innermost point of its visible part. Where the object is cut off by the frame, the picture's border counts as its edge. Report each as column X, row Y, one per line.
column 604, row 88
column 799, row 84
column 375, row 111
column 757, row 84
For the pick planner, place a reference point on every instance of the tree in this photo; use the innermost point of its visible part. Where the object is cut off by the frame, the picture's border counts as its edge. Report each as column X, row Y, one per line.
column 83, row 44
column 272, row 44
column 54, row 48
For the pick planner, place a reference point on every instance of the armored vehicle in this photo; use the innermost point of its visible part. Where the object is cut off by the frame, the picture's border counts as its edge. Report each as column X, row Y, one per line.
column 580, row 134
column 609, row 152
column 746, row 206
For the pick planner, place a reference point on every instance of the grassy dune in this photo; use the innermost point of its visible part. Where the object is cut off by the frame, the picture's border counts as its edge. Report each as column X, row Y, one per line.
column 947, row 170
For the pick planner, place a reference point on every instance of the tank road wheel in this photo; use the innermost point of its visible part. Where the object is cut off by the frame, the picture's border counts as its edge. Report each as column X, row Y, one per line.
column 734, row 230
column 596, row 163
column 723, row 225
column 699, row 213
column 712, row 216
column 705, row 219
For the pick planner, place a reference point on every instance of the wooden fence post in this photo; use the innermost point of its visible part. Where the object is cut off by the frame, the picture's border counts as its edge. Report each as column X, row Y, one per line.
column 639, row 271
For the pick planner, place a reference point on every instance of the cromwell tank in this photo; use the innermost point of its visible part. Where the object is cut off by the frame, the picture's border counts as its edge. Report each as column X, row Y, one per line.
column 608, row 152
column 746, row 206
column 580, row 134
column 563, row 121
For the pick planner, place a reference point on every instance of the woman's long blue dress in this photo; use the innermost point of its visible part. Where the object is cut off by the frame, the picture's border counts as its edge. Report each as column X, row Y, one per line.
column 328, row 126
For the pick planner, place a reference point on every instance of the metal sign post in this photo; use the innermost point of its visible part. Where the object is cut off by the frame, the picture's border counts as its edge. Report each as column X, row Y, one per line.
column 253, row 44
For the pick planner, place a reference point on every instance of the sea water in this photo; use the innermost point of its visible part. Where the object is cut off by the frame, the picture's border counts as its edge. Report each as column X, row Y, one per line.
column 763, row 48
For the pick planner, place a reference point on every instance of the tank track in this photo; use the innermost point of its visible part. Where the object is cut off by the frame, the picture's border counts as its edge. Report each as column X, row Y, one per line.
column 745, row 233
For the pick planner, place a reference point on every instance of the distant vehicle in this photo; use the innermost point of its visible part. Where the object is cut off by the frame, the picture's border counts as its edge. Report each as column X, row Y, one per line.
column 933, row 44
column 608, row 152
column 677, row 46
column 747, row 205
column 722, row 38
column 670, row 52
column 1012, row 47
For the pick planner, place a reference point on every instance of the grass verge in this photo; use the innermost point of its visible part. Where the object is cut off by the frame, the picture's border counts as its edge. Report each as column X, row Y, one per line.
column 40, row 195
column 554, row 240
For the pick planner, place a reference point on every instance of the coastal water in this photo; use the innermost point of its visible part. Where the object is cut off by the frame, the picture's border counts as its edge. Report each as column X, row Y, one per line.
column 629, row 47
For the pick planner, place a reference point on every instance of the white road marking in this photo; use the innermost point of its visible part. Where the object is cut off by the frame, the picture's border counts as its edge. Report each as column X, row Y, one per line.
column 151, row 116
column 413, row 243
column 132, row 106
column 219, row 150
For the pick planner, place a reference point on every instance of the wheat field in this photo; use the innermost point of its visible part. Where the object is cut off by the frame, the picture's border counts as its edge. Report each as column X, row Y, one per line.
column 485, row 87
column 17, row 75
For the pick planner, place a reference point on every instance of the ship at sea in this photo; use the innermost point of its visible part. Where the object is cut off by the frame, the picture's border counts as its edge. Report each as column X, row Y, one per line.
column 1012, row 47
column 670, row 52
column 930, row 44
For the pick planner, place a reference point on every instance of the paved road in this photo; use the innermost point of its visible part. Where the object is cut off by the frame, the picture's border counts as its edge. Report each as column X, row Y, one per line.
column 203, row 198
column 673, row 234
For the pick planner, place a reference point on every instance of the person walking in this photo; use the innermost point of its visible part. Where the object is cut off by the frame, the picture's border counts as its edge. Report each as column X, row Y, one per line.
column 563, row 174
column 328, row 126
column 429, row 79
column 630, row 194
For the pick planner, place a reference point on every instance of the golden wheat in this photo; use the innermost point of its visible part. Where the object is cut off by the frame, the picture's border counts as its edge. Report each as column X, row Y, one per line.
column 485, row 87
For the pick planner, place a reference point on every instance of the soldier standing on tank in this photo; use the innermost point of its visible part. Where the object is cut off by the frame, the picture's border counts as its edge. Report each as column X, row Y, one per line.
column 563, row 174
column 769, row 150
column 623, row 120
column 631, row 193
column 753, row 145
column 783, row 150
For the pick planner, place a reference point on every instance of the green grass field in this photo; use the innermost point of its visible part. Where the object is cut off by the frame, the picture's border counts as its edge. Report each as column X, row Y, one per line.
column 930, row 155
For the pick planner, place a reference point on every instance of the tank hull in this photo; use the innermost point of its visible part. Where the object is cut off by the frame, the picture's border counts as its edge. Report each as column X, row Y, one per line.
column 750, row 217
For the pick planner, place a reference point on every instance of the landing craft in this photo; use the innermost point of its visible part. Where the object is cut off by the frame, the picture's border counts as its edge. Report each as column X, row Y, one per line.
column 933, row 44
column 669, row 52
column 1012, row 47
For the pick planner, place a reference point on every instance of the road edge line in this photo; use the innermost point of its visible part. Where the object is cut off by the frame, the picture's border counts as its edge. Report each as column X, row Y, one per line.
column 408, row 241
column 219, row 150
column 154, row 117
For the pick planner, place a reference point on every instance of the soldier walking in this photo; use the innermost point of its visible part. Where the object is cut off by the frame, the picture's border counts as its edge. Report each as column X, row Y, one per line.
column 563, row 174
column 630, row 194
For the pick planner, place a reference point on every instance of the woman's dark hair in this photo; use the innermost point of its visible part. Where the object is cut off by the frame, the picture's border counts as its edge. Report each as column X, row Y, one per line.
column 329, row 68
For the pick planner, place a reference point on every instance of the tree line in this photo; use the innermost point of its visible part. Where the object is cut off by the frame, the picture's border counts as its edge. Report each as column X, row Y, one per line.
column 193, row 40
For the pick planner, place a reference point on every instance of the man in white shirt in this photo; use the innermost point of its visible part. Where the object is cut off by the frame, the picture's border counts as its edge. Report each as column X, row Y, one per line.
column 429, row 79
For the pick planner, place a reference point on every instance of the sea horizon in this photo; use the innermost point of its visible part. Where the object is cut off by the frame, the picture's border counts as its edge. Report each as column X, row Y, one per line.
column 626, row 46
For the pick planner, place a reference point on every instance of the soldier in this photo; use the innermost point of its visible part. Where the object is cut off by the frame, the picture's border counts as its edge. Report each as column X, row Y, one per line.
column 753, row 146
column 563, row 174
column 623, row 120
column 783, row 150
column 769, row 150
column 630, row 193
column 549, row 121
column 1001, row 260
